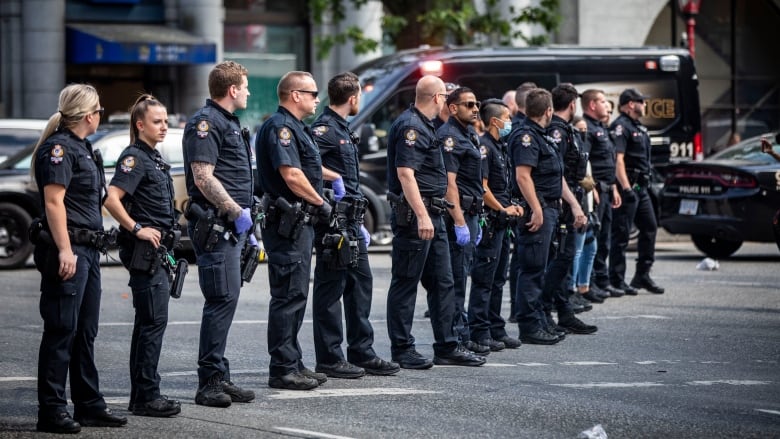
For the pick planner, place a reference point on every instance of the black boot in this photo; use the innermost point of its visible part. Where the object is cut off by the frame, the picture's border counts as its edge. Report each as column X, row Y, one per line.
column 642, row 280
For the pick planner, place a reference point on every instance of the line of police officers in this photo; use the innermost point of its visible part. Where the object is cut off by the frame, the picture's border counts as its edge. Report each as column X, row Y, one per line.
column 453, row 210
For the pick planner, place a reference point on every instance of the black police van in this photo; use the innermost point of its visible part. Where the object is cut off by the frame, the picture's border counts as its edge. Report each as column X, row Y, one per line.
column 665, row 74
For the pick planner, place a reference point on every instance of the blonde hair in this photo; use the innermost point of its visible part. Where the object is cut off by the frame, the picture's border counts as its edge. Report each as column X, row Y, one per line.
column 140, row 107
column 76, row 101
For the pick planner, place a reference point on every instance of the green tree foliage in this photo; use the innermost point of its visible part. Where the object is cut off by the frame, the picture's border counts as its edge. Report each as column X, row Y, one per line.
column 410, row 23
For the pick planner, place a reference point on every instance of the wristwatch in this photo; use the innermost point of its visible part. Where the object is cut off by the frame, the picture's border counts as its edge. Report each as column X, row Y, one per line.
column 137, row 228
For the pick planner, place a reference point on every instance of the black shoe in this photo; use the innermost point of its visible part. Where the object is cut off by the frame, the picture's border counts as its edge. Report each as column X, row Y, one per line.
column 411, row 359
column 512, row 319
column 599, row 292
column 614, row 291
column 292, row 381
column 644, row 281
column 161, row 407
column 579, row 304
column 629, row 290
column 576, row 326
column 553, row 329
column 212, row 394
column 237, row 394
column 427, row 313
column 105, row 418
column 510, row 342
column 592, row 297
column 378, row 366
column 494, row 345
column 539, row 337
column 321, row 378
column 60, row 423
column 341, row 369
column 459, row 357
column 477, row 348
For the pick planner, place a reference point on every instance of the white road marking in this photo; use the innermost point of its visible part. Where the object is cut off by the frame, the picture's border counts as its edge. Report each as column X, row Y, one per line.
column 489, row 364
column 10, row 379
column 308, row 433
column 609, row 385
column 533, row 364
column 587, row 363
column 118, row 400
column 640, row 316
column 729, row 382
column 184, row 373
column 771, row 412
column 657, row 362
column 329, row 393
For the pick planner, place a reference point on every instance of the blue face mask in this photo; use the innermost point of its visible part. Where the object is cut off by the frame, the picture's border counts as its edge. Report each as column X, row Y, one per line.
column 503, row 132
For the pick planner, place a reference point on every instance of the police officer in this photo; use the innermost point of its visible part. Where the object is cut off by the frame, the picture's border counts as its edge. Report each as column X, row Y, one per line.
column 218, row 172
column 332, row 279
column 290, row 172
column 488, row 273
column 539, row 176
column 417, row 181
column 595, row 107
column 140, row 197
column 70, row 181
column 463, row 163
column 562, row 136
column 633, row 176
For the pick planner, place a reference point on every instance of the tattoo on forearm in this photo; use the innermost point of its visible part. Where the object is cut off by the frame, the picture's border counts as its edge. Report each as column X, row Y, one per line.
column 212, row 189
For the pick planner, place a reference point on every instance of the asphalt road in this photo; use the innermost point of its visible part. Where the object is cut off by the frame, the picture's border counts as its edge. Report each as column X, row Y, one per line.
column 702, row 360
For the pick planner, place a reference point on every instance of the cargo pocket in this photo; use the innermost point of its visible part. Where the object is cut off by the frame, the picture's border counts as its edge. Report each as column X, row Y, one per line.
column 212, row 275
column 58, row 306
column 408, row 257
column 533, row 255
column 280, row 266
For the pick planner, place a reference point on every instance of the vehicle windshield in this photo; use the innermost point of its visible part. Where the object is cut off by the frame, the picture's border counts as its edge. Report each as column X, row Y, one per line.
column 749, row 151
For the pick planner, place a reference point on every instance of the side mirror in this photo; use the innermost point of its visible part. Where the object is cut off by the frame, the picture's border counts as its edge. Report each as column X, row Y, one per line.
column 368, row 140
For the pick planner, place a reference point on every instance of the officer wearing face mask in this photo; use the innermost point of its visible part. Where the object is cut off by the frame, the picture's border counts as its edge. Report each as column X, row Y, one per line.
column 488, row 272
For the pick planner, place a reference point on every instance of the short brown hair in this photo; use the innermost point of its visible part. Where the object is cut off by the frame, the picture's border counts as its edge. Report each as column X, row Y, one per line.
column 342, row 87
column 223, row 75
column 537, row 102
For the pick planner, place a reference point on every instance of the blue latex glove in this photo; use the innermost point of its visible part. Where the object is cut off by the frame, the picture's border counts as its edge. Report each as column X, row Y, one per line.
column 366, row 235
column 479, row 235
column 253, row 240
column 338, row 189
column 243, row 222
column 462, row 235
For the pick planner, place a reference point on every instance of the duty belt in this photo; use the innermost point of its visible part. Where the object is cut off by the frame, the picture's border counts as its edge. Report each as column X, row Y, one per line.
column 98, row 239
column 436, row 205
column 471, row 205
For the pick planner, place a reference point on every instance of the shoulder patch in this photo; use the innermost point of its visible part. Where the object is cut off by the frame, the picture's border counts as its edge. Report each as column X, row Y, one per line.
column 618, row 130
column 320, row 130
column 57, row 153
column 483, row 151
column 526, row 140
column 411, row 137
column 284, row 136
column 202, row 129
column 449, row 144
column 128, row 164
column 556, row 135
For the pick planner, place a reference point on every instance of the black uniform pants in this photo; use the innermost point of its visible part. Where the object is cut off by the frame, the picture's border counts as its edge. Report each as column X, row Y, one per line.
column 413, row 261
column 461, row 258
column 533, row 249
column 514, row 268
column 219, row 275
column 289, row 265
column 70, row 311
column 555, row 294
column 604, row 211
column 355, row 286
column 641, row 213
column 488, row 276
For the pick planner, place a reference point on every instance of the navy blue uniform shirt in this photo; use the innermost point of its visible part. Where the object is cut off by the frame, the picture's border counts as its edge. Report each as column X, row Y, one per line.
column 283, row 140
column 566, row 140
column 213, row 136
column 531, row 147
column 412, row 143
column 146, row 179
column 66, row 160
column 496, row 168
column 632, row 139
column 602, row 151
column 337, row 150
column 462, row 157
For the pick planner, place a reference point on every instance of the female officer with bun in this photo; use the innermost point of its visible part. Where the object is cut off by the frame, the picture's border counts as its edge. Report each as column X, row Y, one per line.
column 140, row 197
column 70, row 181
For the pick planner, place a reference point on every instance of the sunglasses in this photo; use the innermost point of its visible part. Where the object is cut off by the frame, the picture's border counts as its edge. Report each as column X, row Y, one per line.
column 469, row 104
column 100, row 110
column 313, row 93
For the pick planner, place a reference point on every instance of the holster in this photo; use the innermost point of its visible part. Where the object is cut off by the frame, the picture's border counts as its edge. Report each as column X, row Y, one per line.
column 209, row 229
column 403, row 213
column 250, row 258
column 145, row 257
column 176, row 277
column 339, row 251
column 292, row 218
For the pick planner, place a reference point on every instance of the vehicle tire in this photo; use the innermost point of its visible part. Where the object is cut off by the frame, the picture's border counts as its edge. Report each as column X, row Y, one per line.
column 14, row 222
column 714, row 247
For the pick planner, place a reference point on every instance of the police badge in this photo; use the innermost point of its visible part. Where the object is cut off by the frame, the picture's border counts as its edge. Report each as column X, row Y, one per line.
column 284, row 136
column 57, row 153
column 127, row 164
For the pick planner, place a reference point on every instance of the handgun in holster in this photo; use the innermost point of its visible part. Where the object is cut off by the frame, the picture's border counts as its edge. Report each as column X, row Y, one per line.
column 403, row 213
column 292, row 218
column 250, row 253
column 208, row 228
